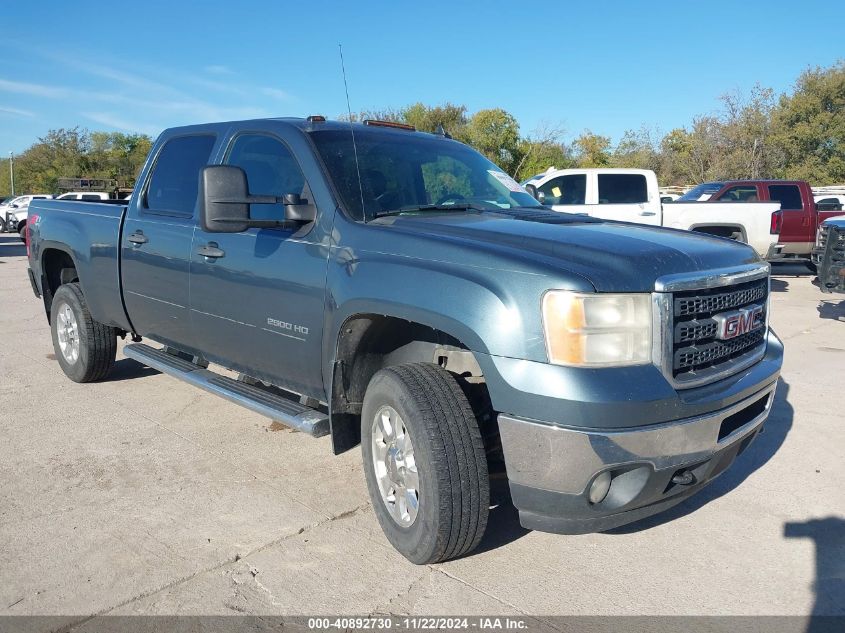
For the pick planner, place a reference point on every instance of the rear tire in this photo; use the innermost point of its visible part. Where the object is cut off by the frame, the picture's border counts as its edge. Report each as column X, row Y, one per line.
column 85, row 348
column 436, row 454
column 22, row 233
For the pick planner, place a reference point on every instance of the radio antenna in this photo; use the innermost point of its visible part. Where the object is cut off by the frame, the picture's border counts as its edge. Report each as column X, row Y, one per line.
column 352, row 131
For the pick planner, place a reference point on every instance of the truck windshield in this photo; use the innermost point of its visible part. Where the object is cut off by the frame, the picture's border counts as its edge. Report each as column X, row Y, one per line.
column 701, row 192
column 402, row 172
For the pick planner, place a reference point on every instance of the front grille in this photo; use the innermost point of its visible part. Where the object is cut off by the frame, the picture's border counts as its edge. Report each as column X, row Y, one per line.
column 821, row 237
column 696, row 351
column 829, row 257
column 698, row 304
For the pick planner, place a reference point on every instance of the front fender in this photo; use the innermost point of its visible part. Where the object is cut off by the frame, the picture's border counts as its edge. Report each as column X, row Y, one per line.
column 493, row 312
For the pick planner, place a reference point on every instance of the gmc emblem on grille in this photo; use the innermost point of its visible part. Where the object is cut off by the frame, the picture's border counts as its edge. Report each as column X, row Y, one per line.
column 739, row 322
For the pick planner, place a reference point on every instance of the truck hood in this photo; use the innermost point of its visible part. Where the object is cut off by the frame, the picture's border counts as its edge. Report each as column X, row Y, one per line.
column 612, row 256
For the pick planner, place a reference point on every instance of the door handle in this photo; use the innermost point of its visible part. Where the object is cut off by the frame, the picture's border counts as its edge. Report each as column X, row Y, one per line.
column 647, row 213
column 211, row 250
column 138, row 238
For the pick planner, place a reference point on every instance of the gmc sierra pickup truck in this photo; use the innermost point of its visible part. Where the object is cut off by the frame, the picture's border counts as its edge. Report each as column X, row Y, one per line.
column 396, row 289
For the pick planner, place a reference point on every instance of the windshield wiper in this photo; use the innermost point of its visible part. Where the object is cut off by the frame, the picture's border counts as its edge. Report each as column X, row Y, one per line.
column 416, row 208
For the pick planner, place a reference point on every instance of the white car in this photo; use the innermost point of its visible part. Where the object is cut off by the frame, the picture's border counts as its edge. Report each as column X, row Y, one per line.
column 632, row 195
column 90, row 196
column 13, row 213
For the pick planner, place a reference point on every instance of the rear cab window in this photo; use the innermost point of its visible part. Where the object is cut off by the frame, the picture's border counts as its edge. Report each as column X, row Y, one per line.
column 174, row 183
column 789, row 196
column 622, row 189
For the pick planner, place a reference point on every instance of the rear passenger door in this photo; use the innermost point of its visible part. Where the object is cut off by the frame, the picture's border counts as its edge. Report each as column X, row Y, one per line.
column 257, row 306
column 156, row 241
column 624, row 197
column 798, row 225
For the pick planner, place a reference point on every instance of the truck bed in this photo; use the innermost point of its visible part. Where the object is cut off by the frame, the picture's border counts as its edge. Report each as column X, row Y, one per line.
column 89, row 232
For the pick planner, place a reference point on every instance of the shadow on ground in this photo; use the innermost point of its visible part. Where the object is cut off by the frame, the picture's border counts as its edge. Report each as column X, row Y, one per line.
column 834, row 310
column 779, row 285
column 503, row 525
column 828, row 536
column 129, row 369
column 761, row 450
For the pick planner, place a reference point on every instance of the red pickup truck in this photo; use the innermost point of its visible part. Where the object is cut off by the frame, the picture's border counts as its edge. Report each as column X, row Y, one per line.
column 799, row 216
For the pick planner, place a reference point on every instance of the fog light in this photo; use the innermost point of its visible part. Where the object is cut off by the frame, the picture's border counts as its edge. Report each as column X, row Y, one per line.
column 599, row 487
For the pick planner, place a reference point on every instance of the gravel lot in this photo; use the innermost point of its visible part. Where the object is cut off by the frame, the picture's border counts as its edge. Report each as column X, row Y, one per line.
column 142, row 495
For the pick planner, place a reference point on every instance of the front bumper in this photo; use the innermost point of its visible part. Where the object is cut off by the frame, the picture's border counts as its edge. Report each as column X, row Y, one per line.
column 551, row 469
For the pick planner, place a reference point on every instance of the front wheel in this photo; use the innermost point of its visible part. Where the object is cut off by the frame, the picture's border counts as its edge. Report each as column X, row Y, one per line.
column 85, row 348
column 425, row 463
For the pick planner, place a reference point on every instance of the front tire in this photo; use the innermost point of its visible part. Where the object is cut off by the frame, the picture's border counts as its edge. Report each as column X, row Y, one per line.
column 85, row 348
column 425, row 463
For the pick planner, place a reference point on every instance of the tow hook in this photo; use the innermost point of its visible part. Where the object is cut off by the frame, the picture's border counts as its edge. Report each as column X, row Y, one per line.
column 684, row 478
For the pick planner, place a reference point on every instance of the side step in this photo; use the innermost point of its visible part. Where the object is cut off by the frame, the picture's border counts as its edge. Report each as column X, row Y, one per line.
column 276, row 407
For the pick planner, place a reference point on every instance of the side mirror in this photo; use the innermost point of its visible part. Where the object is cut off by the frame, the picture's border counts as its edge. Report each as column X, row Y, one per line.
column 298, row 210
column 225, row 199
column 538, row 195
column 224, row 205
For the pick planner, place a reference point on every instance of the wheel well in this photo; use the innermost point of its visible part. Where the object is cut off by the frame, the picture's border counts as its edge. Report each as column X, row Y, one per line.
column 729, row 231
column 57, row 268
column 370, row 342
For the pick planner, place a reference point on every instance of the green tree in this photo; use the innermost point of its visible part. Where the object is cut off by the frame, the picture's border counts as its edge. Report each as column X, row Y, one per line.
column 637, row 149
column 495, row 133
column 592, row 150
column 427, row 118
column 809, row 127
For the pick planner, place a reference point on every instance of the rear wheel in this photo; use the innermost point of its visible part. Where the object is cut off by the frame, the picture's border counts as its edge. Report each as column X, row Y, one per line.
column 425, row 463
column 85, row 348
column 22, row 233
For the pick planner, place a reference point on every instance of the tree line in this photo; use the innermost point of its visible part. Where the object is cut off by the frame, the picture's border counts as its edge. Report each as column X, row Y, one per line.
column 796, row 135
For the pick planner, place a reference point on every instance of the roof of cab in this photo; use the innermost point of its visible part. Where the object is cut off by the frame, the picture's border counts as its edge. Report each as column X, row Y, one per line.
column 301, row 123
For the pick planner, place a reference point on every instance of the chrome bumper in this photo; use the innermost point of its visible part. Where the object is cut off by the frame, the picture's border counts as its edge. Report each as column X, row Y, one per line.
column 551, row 468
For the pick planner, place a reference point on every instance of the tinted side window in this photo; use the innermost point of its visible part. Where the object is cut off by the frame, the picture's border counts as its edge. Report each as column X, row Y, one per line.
column 740, row 193
column 789, row 196
column 175, row 180
column 271, row 170
column 622, row 189
column 89, row 196
column 570, row 189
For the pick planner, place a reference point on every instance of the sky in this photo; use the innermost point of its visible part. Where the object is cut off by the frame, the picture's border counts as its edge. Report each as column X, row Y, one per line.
column 603, row 66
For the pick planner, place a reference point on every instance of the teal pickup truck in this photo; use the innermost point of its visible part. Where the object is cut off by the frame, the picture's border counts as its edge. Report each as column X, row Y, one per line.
column 395, row 289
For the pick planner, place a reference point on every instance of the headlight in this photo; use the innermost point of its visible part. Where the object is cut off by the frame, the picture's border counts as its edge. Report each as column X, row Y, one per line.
column 597, row 330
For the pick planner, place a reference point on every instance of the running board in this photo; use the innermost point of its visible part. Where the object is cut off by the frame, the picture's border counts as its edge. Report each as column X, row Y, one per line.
column 276, row 407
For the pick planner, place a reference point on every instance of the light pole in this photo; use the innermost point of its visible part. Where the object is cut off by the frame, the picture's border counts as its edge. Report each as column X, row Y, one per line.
column 12, row 171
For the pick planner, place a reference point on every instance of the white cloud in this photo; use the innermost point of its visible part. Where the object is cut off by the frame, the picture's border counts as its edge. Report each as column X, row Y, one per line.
column 110, row 119
column 276, row 93
column 217, row 69
column 16, row 111
column 37, row 90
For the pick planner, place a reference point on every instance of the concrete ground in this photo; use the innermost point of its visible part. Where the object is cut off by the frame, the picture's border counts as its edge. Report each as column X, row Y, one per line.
column 142, row 495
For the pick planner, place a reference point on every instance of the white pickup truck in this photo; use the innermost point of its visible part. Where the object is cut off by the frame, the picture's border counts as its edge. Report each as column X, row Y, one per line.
column 632, row 195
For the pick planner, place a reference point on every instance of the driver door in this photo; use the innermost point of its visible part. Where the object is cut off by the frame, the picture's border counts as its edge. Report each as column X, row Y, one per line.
column 257, row 303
